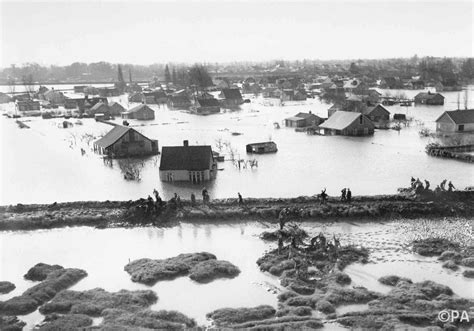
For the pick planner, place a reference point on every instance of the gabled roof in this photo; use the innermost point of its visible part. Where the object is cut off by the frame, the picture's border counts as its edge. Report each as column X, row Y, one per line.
column 112, row 136
column 460, row 116
column 208, row 102
column 98, row 105
column 340, row 120
column 231, row 93
column 141, row 107
column 193, row 158
column 295, row 118
column 427, row 95
column 116, row 104
column 306, row 115
column 379, row 106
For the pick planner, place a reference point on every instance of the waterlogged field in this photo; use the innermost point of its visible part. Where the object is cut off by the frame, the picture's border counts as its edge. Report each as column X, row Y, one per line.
column 104, row 253
column 44, row 164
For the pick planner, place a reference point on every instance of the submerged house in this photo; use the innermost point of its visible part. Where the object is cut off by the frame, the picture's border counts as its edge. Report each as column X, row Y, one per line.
column 187, row 163
column 377, row 114
column 303, row 120
column 206, row 106
column 179, row 99
column 28, row 105
column 428, row 98
column 123, row 141
column 231, row 97
column 5, row 98
column 115, row 108
column 98, row 108
column 456, row 121
column 261, row 148
column 141, row 112
column 54, row 97
column 136, row 97
column 347, row 123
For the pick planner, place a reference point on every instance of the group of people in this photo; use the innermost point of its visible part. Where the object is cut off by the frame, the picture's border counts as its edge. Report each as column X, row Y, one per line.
column 418, row 186
column 346, row 194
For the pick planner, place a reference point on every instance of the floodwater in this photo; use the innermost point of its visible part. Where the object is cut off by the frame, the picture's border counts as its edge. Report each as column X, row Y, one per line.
column 44, row 164
column 104, row 253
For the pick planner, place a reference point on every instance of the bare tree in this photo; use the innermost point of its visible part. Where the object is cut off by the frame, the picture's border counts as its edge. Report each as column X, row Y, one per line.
column 466, row 99
column 28, row 83
column 11, row 85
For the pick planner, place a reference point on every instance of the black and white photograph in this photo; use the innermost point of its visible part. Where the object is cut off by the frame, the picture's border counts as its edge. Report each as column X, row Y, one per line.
column 236, row 165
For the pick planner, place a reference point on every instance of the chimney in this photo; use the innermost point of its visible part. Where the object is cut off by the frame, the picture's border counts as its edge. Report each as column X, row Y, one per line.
column 185, row 143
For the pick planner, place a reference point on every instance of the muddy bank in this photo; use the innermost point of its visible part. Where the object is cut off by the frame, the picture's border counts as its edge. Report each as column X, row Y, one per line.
column 451, row 254
column 408, row 305
column 201, row 267
column 117, row 213
column 6, row 287
column 260, row 318
column 122, row 310
column 55, row 282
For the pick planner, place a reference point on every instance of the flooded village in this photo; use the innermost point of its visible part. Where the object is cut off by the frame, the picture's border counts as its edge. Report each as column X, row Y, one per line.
column 287, row 194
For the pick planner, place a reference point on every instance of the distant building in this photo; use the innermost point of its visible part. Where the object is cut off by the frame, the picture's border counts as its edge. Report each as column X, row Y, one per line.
column 377, row 114
column 347, row 124
column 206, row 106
column 303, row 120
column 287, row 95
column 28, row 105
column 231, row 97
column 108, row 91
column 79, row 88
column 187, row 163
column 179, row 101
column 428, row 98
column 54, row 97
column 136, row 97
column 262, row 148
column 140, row 112
column 115, row 108
column 123, row 141
column 98, row 108
column 299, row 95
column 5, row 98
column 456, row 121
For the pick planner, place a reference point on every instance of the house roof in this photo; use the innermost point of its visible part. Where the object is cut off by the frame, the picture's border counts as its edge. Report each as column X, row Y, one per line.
column 340, row 120
column 306, row 115
column 185, row 157
column 295, row 118
column 208, row 102
column 232, row 93
column 98, row 105
column 427, row 95
column 141, row 107
column 371, row 109
column 116, row 104
column 460, row 116
column 112, row 136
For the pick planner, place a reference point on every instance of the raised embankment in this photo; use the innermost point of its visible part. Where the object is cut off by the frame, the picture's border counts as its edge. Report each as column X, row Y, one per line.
column 118, row 213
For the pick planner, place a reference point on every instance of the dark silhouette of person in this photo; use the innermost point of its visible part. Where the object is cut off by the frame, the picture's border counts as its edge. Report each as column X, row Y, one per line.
column 241, row 201
column 349, row 195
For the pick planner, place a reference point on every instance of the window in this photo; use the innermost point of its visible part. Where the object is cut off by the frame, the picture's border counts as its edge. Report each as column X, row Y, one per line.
column 360, row 119
column 461, row 127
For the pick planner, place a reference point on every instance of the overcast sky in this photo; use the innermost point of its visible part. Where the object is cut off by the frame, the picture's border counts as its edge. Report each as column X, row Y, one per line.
column 145, row 32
